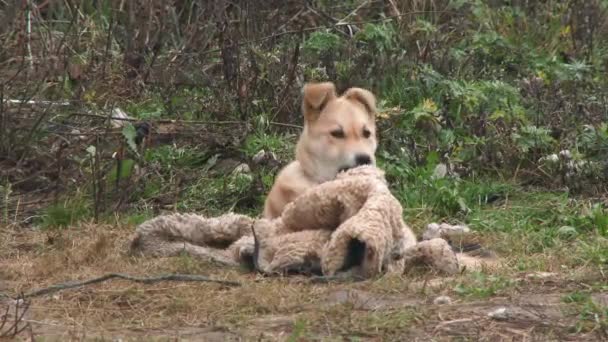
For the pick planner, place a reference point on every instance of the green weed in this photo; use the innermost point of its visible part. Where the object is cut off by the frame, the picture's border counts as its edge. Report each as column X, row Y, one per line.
column 170, row 157
column 222, row 194
column 282, row 145
column 591, row 316
column 65, row 214
column 137, row 218
column 480, row 285
column 299, row 331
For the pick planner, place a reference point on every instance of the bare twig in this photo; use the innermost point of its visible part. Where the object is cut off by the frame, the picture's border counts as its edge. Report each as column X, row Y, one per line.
column 343, row 20
column 281, row 124
column 290, row 78
column 159, row 121
column 16, row 328
column 29, row 33
column 4, row 317
column 96, row 178
column 185, row 122
column 37, row 102
column 29, row 203
column 317, row 28
column 144, row 280
column 340, row 277
column 26, row 141
column 2, row 120
column 108, row 44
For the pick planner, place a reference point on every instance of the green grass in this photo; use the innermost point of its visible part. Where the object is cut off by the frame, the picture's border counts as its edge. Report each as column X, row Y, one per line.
column 281, row 145
column 65, row 214
column 351, row 323
column 493, row 91
column 518, row 221
column 590, row 315
column 218, row 195
column 481, row 286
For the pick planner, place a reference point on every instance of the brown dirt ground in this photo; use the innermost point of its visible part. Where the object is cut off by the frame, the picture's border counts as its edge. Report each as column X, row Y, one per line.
column 277, row 309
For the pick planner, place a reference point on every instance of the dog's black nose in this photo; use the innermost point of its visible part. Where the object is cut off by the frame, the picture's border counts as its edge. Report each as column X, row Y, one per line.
column 362, row 159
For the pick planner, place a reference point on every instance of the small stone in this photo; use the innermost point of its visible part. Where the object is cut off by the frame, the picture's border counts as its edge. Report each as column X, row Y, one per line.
column 553, row 158
column 119, row 117
column 445, row 231
column 567, row 232
column 259, row 157
column 18, row 302
column 454, row 231
column 242, row 169
column 77, row 132
column 541, row 275
column 442, row 300
column 499, row 314
column 565, row 154
column 432, row 231
column 441, row 170
column 265, row 158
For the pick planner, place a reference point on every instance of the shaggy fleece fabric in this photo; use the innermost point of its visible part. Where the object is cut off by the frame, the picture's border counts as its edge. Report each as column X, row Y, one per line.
column 352, row 223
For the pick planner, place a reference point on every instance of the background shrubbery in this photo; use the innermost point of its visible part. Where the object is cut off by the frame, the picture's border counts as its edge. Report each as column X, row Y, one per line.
column 476, row 98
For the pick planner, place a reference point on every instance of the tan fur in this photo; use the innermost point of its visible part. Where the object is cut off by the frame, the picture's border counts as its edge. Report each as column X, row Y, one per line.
column 319, row 154
column 314, row 231
column 170, row 235
column 356, row 206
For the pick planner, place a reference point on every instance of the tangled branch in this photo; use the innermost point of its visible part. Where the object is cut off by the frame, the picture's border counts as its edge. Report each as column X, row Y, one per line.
column 16, row 327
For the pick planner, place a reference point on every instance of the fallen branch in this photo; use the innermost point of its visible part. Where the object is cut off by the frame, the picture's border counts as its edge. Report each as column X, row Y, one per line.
column 145, row 280
column 37, row 102
column 346, row 277
column 176, row 121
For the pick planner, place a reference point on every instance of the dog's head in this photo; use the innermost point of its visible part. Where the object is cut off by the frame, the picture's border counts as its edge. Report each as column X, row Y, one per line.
column 339, row 131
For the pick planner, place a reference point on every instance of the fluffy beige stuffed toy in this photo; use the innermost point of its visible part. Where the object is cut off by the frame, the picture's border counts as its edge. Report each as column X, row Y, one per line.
column 351, row 224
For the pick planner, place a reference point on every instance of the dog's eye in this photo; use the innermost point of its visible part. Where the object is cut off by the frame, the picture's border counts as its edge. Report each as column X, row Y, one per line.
column 338, row 133
column 366, row 133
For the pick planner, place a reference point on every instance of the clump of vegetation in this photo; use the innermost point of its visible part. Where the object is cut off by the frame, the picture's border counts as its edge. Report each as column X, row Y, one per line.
column 483, row 103
column 491, row 113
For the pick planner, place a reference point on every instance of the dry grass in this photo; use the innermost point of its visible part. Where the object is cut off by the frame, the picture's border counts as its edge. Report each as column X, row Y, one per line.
column 273, row 309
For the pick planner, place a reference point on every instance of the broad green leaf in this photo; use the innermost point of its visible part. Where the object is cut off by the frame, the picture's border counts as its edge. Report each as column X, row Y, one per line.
column 128, row 131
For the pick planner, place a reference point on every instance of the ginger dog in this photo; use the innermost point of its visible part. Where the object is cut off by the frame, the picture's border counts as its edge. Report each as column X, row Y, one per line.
column 339, row 133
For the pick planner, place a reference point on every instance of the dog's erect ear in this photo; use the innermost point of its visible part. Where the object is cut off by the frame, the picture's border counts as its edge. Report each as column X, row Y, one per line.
column 365, row 97
column 316, row 97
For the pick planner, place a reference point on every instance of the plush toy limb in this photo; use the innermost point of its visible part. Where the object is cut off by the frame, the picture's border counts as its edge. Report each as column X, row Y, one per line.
column 436, row 253
column 379, row 228
column 299, row 252
column 327, row 206
column 476, row 263
column 242, row 250
column 352, row 225
column 460, row 237
column 170, row 235
column 371, row 236
column 279, row 253
column 212, row 254
column 476, row 256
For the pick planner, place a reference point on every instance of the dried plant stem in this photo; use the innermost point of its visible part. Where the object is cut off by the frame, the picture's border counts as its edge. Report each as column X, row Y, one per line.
column 16, row 328
column 28, row 18
column 144, row 280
